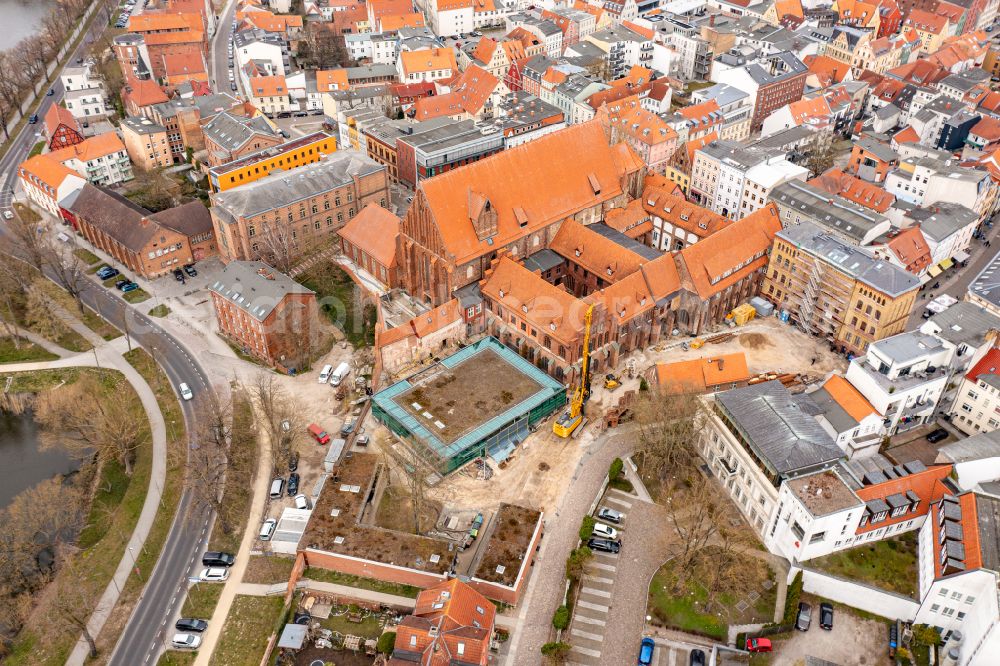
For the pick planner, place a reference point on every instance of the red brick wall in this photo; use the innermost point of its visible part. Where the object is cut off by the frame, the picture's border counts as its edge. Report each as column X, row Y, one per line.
column 370, row 569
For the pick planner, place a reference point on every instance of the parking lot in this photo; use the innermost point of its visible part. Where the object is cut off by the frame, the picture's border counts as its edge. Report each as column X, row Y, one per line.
column 590, row 614
column 853, row 640
column 676, row 653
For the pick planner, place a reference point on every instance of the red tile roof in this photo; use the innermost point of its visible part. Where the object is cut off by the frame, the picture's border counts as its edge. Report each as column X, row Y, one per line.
column 926, row 485
column 850, row 187
column 451, row 623
column 374, row 230
column 469, row 93
column 58, row 115
column 911, row 248
column 699, row 374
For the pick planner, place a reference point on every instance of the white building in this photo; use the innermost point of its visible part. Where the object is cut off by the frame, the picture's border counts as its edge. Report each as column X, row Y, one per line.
column 761, row 178
column 851, row 420
column 449, row 18
column 903, row 377
column 85, row 104
column 78, row 78
column 265, row 49
column 948, row 230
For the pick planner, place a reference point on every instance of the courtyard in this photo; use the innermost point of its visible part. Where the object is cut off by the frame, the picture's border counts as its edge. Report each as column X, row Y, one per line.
column 889, row 564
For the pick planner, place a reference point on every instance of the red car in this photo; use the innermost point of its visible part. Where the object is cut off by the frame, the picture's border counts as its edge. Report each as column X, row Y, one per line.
column 318, row 434
column 758, row 645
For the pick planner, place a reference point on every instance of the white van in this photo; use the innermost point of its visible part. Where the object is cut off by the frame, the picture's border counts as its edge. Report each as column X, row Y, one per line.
column 267, row 529
column 276, row 487
column 339, row 374
column 324, row 374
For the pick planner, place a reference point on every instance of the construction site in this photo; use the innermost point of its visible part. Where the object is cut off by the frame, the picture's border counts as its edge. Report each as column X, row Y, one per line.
column 483, row 400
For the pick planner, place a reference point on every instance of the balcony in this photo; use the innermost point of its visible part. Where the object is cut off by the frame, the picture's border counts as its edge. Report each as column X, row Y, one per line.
column 729, row 467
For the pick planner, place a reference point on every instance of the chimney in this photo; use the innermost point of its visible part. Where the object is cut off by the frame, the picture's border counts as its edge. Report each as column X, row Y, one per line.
column 711, row 20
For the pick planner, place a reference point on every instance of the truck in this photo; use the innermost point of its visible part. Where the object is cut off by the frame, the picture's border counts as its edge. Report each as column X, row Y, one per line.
column 338, row 375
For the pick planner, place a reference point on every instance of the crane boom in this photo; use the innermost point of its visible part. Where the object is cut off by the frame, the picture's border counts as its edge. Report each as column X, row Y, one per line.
column 571, row 419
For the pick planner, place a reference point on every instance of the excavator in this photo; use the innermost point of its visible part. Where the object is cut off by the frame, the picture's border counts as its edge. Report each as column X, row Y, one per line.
column 571, row 419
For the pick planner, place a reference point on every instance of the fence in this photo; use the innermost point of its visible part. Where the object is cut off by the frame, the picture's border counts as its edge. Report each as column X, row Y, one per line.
column 859, row 595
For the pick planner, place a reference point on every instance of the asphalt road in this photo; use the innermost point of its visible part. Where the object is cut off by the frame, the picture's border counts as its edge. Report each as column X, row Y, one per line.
column 218, row 51
column 147, row 630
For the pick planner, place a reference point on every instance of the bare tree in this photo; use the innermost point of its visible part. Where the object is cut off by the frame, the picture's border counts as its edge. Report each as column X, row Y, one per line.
column 88, row 419
column 414, row 471
column 72, row 604
column 40, row 316
column 669, row 425
column 67, row 271
column 26, row 241
column 280, row 420
column 277, row 244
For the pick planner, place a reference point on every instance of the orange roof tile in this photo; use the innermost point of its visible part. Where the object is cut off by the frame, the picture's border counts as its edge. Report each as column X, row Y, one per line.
column 549, row 308
column 426, row 60
column 849, row 398
column 380, row 8
column 697, row 375
column 906, row 135
column 423, row 324
column 393, row 22
column 925, row 21
column 485, row 49
column 632, row 220
column 165, row 38
column 469, row 94
column 145, row 92
column 662, row 276
column 540, row 182
column 660, row 200
column 90, row 149
column 987, row 365
column 451, row 622
column 850, row 187
column 695, row 144
column 179, row 64
column 268, row 86
column 789, row 8
column 926, row 485
column 151, row 21
column 48, row 170
column 743, row 242
column 331, row 79
column 636, row 122
column 911, row 248
column 625, row 299
column 595, row 253
column 988, row 128
column 374, row 230
column 58, row 115
column 648, row 33
column 829, row 70
column 703, row 115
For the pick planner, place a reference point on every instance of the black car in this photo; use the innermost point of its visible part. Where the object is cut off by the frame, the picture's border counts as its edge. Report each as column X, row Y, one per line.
column 293, row 484
column 826, row 616
column 804, row 617
column 51, row 92
column 697, row 658
column 214, row 558
column 293, row 462
column 33, row 119
column 191, row 624
column 179, row 275
column 121, row 284
column 606, row 545
column 190, row 270
column 937, row 435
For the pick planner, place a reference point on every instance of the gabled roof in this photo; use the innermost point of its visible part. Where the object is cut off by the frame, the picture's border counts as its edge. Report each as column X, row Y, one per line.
column 331, row 79
column 536, row 183
column 925, row 21
column 268, row 86
column 58, row 115
column 393, row 22
column 854, row 189
column 595, row 253
column 743, row 242
column 660, row 200
column 145, row 92
column 426, row 60
column 911, row 248
column 255, row 287
column 828, row 70
column 636, row 122
column 182, row 64
column 698, row 374
column 374, row 230
column 115, row 215
column 49, row 171
column 469, row 93
column 90, row 149
column 987, row 366
column 849, row 398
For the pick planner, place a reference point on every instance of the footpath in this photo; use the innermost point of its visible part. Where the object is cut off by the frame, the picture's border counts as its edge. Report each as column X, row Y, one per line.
column 107, row 354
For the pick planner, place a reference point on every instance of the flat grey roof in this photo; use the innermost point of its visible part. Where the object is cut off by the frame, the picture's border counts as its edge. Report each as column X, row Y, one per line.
column 943, row 219
column 542, row 260
column 286, row 187
column 964, row 323
column 624, row 241
column 779, row 428
column 987, row 284
column 977, row 447
column 988, row 518
column 852, row 260
column 829, row 210
column 834, row 413
column 908, row 346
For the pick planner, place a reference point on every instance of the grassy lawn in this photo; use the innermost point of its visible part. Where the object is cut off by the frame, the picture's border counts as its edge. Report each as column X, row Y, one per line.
column 327, row 576
column 691, row 610
column 89, row 318
column 201, row 600
column 177, row 658
column 36, row 149
column 110, row 282
column 146, row 558
column 136, row 296
column 159, row 311
column 86, row 256
column 890, row 564
column 24, row 350
column 268, row 569
column 338, row 296
column 369, row 627
column 247, row 630
column 111, row 521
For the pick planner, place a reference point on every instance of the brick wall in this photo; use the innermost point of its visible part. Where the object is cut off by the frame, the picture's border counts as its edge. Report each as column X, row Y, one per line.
column 370, row 569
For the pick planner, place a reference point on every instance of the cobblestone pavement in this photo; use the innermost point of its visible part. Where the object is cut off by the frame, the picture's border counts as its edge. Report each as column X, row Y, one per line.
column 677, row 652
column 548, row 583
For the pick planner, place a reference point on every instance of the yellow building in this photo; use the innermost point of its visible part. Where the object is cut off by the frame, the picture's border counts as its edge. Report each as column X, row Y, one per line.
column 682, row 179
column 835, row 290
column 299, row 152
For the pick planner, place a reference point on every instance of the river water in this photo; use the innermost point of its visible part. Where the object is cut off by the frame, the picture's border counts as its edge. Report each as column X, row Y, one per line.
column 19, row 19
column 22, row 463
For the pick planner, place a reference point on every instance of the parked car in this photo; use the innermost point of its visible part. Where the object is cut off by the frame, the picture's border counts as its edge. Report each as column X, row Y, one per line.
column 937, row 435
column 646, row 648
column 185, row 391
column 697, row 658
column 51, row 92
column 610, row 515
column 605, row 531
column 190, row 270
column 131, row 286
column 186, row 641
column 293, row 461
column 267, row 529
column 302, row 502
column 826, row 616
column 107, row 272
column 605, row 545
column 362, row 440
column 324, row 374
column 804, row 617
column 318, row 434
column 293, row 484
column 121, row 284
column 347, row 428
column 758, row 645
column 215, row 558
column 33, row 120
column 191, row 624
column 213, row 575
column 179, row 275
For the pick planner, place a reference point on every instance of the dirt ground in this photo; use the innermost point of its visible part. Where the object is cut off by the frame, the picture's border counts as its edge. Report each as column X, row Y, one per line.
column 853, row 640
column 769, row 345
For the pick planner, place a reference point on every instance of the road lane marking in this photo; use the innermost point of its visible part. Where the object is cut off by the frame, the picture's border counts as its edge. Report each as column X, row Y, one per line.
column 594, row 591
column 586, row 651
column 598, row 579
column 596, row 607
column 589, row 620
column 620, row 502
column 604, row 567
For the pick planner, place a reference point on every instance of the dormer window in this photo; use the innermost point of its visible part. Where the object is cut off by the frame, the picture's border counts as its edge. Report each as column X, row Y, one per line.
column 501, row 293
